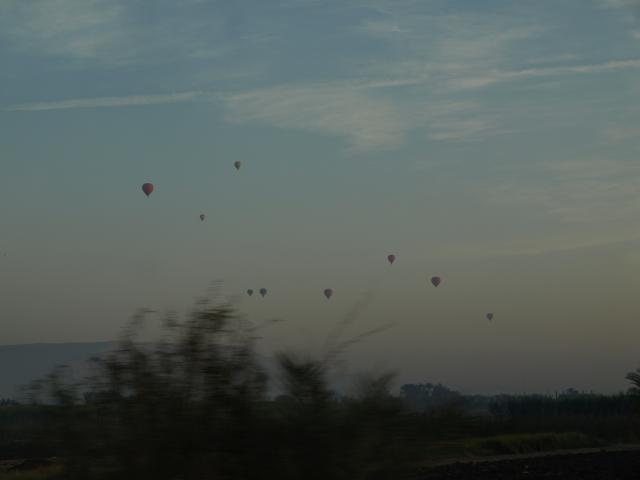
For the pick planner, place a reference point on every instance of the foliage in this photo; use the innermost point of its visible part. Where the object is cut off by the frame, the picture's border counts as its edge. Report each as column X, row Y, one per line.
column 193, row 406
column 423, row 397
column 634, row 378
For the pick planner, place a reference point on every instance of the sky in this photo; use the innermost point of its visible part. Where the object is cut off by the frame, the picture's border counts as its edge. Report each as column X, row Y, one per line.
column 494, row 143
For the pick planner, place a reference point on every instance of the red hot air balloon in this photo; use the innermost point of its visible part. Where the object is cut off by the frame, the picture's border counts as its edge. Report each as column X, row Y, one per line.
column 237, row 164
column 391, row 258
column 489, row 316
column 202, row 216
column 147, row 188
column 436, row 281
column 263, row 291
column 250, row 292
column 328, row 292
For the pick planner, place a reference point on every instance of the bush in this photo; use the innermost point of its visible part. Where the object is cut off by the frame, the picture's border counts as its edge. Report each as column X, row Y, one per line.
column 193, row 406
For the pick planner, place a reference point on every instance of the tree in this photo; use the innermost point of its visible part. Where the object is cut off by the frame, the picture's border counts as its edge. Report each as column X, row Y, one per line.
column 427, row 396
column 634, row 378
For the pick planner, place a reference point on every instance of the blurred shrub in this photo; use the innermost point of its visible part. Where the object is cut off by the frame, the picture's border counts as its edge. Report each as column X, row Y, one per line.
column 192, row 405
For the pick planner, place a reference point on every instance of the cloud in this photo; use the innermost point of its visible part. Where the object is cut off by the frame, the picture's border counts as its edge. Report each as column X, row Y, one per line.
column 359, row 111
column 497, row 76
column 632, row 7
column 368, row 114
column 113, row 32
column 426, row 67
column 382, row 28
column 584, row 192
column 77, row 28
column 569, row 205
column 338, row 110
column 380, row 103
column 103, row 102
column 465, row 129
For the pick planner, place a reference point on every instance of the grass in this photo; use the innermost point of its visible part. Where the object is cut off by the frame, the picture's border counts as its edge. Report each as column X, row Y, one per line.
column 41, row 473
column 510, row 444
column 530, row 443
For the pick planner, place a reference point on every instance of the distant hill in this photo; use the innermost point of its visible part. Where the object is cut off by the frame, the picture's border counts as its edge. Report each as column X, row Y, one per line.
column 20, row 364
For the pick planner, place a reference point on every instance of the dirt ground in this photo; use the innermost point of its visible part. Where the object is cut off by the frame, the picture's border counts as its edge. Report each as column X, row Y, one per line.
column 604, row 465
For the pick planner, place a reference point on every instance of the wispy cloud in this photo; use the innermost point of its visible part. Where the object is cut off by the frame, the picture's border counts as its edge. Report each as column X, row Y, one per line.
column 630, row 9
column 112, row 33
column 497, row 76
column 106, row 102
column 365, row 113
column 336, row 110
column 385, row 100
column 358, row 111
column 569, row 205
column 584, row 192
column 426, row 76
column 465, row 129
column 382, row 28
column 78, row 28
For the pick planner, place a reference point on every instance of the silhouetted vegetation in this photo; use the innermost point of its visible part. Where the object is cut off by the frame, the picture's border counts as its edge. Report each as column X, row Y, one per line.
column 194, row 405
column 634, row 378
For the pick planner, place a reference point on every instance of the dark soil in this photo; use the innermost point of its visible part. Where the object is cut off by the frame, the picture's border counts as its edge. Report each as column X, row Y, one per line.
column 623, row 465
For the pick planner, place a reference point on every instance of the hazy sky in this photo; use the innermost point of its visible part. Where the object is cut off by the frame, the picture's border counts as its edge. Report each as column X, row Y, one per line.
column 495, row 143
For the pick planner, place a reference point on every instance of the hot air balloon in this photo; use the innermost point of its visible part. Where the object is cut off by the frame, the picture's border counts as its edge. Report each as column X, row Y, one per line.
column 436, row 281
column 263, row 291
column 328, row 292
column 489, row 316
column 237, row 164
column 250, row 292
column 147, row 188
column 391, row 258
column 202, row 216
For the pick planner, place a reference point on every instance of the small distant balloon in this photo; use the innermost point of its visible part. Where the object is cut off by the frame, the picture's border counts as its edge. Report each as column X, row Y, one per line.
column 328, row 292
column 147, row 188
column 436, row 281
column 202, row 216
column 250, row 292
column 237, row 164
column 489, row 316
column 263, row 291
column 391, row 258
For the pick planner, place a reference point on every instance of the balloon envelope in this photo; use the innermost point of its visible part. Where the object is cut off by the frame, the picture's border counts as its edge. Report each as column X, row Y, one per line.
column 263, row 291
column 489, row 316
column 328, row 292
column 237, row 164
column 202, row 216
column 147, row 188
column 436, row 281
column 250, row 292
column 391, row 258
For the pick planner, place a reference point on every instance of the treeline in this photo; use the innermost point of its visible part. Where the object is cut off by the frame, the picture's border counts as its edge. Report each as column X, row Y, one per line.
column 609, row 417
column 571, row 404
column 426, row 397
